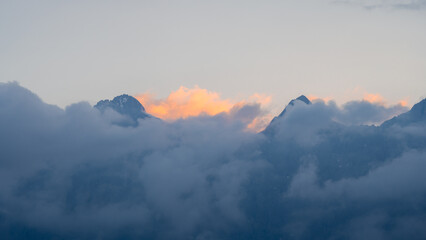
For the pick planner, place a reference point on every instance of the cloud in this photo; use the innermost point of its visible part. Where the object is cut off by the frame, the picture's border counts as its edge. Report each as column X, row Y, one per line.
column 192, row 102
column 372, row 109
column 184, row 103
column 313, row 98
column 374, row 98
column 394, row 180
column 320, row 114
column 394, row 4
column 382, row 196
column 368, row 112
column 73, row 174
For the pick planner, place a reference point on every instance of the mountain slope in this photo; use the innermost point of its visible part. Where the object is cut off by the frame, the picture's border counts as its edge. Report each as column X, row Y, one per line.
column 417, row 115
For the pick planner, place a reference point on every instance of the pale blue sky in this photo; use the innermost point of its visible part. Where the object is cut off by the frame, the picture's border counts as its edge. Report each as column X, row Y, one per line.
column 70, row 51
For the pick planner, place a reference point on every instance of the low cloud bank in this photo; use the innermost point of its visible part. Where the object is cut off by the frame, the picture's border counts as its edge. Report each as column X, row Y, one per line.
column 75, row 174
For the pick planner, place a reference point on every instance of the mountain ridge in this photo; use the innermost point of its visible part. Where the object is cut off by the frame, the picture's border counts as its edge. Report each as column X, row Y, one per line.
column 417, row 114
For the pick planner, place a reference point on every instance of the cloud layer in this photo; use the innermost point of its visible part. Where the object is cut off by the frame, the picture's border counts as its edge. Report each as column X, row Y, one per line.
column 74, row 174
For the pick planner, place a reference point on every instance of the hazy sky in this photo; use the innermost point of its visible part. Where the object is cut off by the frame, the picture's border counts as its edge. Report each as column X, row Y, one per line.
column 69, row 51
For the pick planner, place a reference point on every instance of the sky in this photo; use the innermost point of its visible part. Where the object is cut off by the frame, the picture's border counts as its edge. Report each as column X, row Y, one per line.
column 212, row 157
column 71, row 51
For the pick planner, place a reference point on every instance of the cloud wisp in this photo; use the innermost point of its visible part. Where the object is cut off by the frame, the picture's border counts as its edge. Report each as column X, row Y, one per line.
column 74, row 174
column 392, row 4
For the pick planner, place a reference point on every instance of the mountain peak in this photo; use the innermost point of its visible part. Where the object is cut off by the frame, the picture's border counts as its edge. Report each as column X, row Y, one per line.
column 301, row 98
column 125, row 105
column 270, row 128
column 127, row 100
